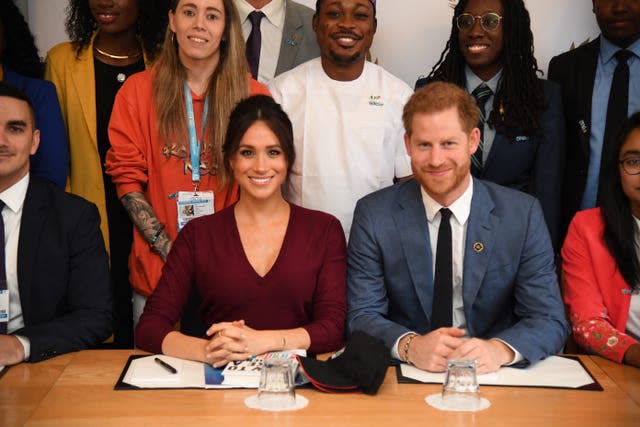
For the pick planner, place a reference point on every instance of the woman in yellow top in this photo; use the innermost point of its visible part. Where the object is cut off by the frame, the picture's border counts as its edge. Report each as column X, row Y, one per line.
column 109, row 42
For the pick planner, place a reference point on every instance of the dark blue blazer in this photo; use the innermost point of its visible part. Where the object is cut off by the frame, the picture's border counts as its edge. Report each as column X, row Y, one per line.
column 534, row 164
column 510, row 287
column 575, row 71
column 63, row 273
column 51, row 161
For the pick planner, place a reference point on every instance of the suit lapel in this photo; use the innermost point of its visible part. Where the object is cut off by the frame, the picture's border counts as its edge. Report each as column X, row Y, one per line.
column 411, row 222
column 479, row 245
column 33, row 218
column 498, row 141
column 291, row 39
column 585, row 79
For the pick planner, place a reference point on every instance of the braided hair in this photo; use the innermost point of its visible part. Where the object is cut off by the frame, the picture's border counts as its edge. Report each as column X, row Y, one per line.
column 20, row 52
column 519, row 101
column 150, row 27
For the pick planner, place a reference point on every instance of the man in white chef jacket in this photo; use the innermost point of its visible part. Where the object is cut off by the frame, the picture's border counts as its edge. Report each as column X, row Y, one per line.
column 346, row 114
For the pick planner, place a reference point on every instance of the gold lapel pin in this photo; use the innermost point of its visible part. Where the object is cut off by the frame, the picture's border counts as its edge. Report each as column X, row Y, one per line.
column 478, row 247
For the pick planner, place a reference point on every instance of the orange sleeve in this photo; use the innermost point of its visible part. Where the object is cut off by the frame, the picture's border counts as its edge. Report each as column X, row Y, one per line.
column 126, row 160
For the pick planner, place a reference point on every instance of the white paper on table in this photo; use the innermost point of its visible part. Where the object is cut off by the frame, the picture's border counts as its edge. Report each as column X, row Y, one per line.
column 145, row 372
column 554, row 371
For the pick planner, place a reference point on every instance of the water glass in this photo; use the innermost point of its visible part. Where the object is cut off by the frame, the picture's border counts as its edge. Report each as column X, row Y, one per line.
column 277, row 387
column 460, row 390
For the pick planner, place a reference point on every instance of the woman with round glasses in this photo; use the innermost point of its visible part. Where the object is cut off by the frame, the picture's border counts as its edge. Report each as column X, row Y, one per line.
column 490, row 54
column 601, row 258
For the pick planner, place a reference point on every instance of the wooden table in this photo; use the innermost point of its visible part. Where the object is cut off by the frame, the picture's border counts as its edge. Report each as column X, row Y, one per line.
column 24, row 386
column 625, row 377
column 77, row 389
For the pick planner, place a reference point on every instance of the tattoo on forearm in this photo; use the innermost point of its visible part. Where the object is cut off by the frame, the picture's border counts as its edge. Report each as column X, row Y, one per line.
column 142, row 215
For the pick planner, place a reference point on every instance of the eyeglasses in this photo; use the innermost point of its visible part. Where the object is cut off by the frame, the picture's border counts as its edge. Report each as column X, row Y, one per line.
column 631, row 165
column 488, row 21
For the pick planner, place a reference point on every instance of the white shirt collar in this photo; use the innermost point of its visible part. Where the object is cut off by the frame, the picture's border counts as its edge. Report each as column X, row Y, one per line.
column 273, row 11
column 13, row 197
column 461, row 208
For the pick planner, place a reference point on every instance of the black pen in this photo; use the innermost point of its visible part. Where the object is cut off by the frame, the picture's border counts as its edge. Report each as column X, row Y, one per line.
column 165, row 365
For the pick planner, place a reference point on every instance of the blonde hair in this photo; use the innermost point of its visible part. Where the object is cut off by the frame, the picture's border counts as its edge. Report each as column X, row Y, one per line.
column 228, row 85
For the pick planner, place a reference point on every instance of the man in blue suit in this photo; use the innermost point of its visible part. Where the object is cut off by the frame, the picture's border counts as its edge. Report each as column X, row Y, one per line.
column 501, row 303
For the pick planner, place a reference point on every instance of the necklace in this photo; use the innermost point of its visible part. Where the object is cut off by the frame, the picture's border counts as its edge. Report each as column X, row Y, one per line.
column 108, row 55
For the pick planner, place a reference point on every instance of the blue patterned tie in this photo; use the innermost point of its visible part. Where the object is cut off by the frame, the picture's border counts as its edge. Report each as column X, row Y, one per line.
column 481, row 94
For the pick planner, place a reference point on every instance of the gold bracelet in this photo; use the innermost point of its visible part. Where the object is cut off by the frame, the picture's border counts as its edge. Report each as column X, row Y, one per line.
column 405, row 348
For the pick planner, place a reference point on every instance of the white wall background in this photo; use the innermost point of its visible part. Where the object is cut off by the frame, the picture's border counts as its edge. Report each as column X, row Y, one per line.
column 411, row 33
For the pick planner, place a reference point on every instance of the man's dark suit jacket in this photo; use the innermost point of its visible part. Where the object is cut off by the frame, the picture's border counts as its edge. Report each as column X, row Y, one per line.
column 63, row 273
column 532, row 163
column 576, row 72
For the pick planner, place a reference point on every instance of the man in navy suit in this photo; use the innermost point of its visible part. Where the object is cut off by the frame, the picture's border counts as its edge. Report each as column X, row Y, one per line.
column 55, row 295
column 504, row 304
column 586, row 76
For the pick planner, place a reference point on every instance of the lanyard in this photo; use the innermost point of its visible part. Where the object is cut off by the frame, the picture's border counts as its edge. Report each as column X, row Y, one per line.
column 194, row 144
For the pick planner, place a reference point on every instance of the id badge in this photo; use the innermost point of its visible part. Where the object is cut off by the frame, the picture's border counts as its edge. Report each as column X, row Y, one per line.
column 193, row 205
column 4, row 306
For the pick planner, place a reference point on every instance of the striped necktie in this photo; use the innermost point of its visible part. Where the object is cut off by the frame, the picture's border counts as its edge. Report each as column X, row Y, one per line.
column 481, row 94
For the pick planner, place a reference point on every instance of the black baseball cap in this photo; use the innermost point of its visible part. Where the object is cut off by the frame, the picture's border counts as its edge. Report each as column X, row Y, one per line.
column 360, row 368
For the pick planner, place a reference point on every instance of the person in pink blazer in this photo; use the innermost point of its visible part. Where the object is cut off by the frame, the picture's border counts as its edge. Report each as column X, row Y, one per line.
column 601, row 258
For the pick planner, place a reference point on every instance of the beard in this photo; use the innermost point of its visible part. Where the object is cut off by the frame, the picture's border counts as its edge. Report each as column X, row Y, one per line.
column 345, row 60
